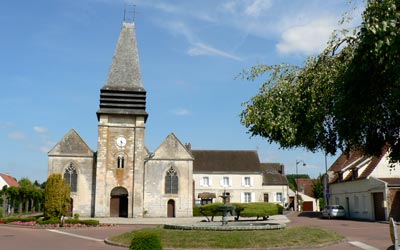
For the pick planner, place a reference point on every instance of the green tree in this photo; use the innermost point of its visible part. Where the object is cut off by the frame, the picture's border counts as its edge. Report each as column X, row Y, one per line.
column 4, row 196
column 345, row 98
column 25, row 194
column 57, row 197
column 318, row 189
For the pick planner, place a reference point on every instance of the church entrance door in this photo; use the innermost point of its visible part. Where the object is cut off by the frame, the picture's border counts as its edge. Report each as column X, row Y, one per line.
column 171, row 208
column 119, row 202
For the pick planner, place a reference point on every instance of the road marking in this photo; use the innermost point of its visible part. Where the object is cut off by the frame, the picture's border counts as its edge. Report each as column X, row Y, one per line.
column 362, row 245
column 74, row 235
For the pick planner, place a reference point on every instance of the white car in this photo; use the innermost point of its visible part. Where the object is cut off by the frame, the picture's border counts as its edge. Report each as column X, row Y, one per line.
column 333, row 211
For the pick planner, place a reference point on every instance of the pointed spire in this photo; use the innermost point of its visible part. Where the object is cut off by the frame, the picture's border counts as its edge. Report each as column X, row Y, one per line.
column 125, row 70
column 123, row 92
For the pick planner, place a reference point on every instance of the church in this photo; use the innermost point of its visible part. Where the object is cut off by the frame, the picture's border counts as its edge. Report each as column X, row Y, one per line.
column 124, row 179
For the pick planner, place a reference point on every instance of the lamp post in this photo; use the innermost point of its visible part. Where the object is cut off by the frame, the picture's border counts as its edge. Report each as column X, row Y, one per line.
column 296, row 180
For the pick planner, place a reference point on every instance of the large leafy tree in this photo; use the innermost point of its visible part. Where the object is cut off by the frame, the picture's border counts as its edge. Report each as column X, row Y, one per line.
column 57, row 197
column 345, row 98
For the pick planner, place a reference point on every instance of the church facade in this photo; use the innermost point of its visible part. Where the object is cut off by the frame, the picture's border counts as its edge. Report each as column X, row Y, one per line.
column 122, row 179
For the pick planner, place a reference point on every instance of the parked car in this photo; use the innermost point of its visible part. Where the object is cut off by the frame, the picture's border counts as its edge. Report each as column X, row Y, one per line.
column 333, row 211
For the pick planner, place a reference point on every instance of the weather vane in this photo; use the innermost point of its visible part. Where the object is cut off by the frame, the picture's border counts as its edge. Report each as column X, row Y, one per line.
column 130, row 13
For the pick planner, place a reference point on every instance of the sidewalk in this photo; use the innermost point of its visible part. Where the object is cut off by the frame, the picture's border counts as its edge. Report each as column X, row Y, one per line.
column 179, row 221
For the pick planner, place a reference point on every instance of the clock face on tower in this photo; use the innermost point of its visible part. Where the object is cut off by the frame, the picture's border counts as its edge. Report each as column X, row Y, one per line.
column 121, row 141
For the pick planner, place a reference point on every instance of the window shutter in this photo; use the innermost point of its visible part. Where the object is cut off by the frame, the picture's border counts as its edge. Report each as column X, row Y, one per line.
column 251, row 181
column 243, row 182
column 221, row 181
column 253, row 197
column 230, row 181
column 201, row 181
column 242, row 197
column 209, row 180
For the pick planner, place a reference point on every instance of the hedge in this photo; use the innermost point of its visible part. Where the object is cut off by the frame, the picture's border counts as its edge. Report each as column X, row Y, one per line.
column 253, row 209
column 257, row 209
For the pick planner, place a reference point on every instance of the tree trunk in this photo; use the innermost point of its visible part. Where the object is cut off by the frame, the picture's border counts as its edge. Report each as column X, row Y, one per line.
column 20, row 206
column 4, row 205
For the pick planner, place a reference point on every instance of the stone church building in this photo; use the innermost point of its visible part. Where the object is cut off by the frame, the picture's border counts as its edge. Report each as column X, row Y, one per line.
column 122, row 179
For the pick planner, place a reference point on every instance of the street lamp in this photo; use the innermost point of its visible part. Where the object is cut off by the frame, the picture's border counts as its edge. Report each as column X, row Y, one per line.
column 296, row 180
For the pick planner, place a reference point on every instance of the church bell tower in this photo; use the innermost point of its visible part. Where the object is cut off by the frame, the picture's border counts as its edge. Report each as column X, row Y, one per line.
column 121, row 130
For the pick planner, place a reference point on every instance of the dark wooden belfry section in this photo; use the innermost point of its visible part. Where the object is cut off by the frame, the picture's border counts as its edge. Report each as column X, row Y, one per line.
column 116, row 101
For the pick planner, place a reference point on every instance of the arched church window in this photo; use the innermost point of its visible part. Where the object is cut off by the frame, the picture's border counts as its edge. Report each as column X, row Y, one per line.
column 121, row 161
column 71, row 177
column 171, row 181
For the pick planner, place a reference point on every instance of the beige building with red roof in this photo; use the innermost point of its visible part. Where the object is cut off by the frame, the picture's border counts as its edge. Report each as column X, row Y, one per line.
column 367, row 187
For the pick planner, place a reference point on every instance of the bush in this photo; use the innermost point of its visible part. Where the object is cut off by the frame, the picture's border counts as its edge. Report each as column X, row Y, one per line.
column 76, row 216
column 145, row 241
column 48, row 221
column 13, row 219
column 211, row 209
column 257, row 209
column 1, row 212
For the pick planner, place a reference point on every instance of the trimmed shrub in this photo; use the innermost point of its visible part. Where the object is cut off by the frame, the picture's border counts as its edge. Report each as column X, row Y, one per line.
column 211, row 210
column 257, row 209
column 196, row 211
column 13, row 219
column 48, row 221
column 143, row 240
column 1, row 212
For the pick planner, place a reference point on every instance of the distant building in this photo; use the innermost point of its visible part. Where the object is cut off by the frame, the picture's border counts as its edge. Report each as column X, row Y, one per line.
column 124, row 179
column 8, row 180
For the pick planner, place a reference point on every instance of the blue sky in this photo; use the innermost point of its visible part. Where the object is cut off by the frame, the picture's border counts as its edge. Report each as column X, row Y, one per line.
column 55, row 57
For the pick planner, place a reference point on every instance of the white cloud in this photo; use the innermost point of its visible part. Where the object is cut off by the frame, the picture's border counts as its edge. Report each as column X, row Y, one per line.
column 200, row 49
column 306, row 39
column 181, row 112
column 257, row 7
column 17, row 135
column 40, row 129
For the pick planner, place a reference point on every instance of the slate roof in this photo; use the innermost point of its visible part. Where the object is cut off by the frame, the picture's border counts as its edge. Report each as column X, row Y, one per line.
column 272, row 174
column 226, row 161
column 11, row 181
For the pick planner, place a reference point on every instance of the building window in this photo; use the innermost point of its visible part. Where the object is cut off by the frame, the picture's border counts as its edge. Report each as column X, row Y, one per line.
column 71, row 177
column 121, row 161
column 225, row 181
column 247, row 197
column 205, row 181
column 279, row 197
column 247, row 181
column 171, row 181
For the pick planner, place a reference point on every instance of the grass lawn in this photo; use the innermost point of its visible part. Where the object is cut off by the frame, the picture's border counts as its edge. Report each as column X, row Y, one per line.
column 291, row 236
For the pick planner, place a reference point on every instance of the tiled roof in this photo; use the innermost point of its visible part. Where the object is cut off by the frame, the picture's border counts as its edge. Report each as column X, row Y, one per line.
column 305, row 185
column 353, row 161
column 276, row 167
column 272, row 174
column 11, row 181
column 391, row 181
column 226, row 161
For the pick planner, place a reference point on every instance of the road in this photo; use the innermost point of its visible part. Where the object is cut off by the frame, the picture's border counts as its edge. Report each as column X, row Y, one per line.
column 359, row 234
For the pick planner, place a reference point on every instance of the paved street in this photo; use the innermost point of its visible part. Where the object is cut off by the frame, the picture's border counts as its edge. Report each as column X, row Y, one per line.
column 360, row 235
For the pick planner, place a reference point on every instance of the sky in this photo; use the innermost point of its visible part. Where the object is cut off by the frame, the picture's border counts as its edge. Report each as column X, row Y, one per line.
column 55, row 57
